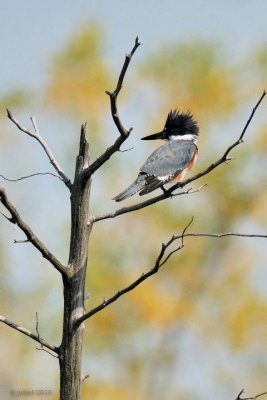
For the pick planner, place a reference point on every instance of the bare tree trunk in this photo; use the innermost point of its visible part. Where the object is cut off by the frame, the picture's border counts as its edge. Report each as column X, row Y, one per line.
column 70, row 350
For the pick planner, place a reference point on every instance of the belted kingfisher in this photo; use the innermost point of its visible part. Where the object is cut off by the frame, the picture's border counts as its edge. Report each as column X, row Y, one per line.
column 170, row 161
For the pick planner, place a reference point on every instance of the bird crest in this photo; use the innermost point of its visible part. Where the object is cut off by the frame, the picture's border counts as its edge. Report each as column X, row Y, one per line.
column 182, row 122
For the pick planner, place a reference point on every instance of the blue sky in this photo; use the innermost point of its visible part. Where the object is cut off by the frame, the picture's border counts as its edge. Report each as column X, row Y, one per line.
column 32, row 31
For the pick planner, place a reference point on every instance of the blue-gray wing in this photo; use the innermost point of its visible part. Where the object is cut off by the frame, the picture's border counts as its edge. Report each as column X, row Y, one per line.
column 169, row 159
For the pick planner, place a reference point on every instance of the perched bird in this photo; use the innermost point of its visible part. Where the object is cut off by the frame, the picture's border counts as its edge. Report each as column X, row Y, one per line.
column 170, row 161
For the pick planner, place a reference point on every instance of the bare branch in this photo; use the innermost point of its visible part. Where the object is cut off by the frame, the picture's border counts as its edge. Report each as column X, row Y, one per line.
column 138, row 206
column 239, row 394
column 222, row 235
column 249, row 398
column 30, row 176
column 17, row 220
column 124, row 133
column 259, row 395
column 113, row 95
column 36, row 135
column 29, row 334
column 169, row 192
column 160, row 261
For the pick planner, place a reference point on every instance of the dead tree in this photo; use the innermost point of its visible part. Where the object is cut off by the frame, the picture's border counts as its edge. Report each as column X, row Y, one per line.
column 69, row 352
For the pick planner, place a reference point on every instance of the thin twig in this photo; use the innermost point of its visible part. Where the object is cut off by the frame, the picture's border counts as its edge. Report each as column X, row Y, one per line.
column 259, row 395
column 29, row 334
column 222, row 235
column 146, row 203
column 191, row 190
column 36, row 135
column 5, row 216
column 84, row 377
column 15, row 241
column 30, row 176
column 239, row 394
column 17, row 220
column 124, row 133
column 114, row 95
column 160, row 261
column 249, row 398
column 41, row 340
column 46, row 351
column 34, row 125
column 37, row 325
column 124, row 151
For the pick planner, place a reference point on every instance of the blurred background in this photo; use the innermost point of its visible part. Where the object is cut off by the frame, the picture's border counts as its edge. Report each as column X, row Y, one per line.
column 199, row 327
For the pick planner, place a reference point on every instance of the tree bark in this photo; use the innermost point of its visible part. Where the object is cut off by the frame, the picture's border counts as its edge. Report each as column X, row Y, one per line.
column 70, row 350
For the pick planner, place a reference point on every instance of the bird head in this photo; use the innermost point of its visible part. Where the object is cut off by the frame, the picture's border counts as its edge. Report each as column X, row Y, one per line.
column 178, row 126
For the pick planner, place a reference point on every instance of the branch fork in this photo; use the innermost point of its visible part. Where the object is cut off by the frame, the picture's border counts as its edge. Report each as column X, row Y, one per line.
column 31, row 237
column 160, row 261
column 30, row 334
column 249, row 398
column 124, row 133
column 36, row 135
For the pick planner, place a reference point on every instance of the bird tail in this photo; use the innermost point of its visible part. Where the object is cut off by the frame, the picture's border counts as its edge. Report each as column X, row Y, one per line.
column 137, row 185
column 152, row 183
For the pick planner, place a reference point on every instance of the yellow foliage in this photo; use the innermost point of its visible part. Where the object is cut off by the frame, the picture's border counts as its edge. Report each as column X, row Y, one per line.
column 260, row 139
column 260, row 61
column 104, row 390
column 192, row 76
column 159, row 306
column 258, row 208
column 79, row 76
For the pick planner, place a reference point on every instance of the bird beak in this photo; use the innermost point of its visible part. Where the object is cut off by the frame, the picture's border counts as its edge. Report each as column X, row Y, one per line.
column 159, row 135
